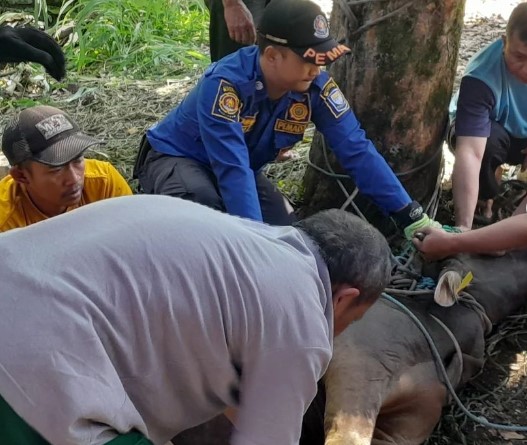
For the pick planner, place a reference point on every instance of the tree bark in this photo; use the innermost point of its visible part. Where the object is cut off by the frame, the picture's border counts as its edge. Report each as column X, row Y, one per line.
column 398, row 81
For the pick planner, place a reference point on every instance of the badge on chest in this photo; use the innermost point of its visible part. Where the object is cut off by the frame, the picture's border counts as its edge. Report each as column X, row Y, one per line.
column 248, row 122
column 297, row 117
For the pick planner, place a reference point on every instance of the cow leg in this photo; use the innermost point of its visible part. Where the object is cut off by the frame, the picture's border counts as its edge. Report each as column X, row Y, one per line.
column 348, row 429
column 354, row 392
column 413, row 409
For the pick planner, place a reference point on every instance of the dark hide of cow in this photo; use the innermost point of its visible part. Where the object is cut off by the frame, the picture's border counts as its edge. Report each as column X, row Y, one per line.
column 382, row 386
column 32, row 45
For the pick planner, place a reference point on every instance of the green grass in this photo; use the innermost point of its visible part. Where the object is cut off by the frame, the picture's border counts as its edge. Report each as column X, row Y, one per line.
column 40, row 11
column 136, row 38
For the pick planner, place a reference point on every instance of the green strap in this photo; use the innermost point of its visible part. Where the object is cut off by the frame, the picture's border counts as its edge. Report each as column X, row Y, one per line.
column 451, row 229
column 15, row 431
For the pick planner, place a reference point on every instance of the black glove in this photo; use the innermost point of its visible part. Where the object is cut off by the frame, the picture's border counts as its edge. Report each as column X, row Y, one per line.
column 412, row 218
column 32, row 45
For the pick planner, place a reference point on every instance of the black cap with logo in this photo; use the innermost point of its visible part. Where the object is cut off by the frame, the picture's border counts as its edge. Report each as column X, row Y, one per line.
column 46, row 135
column 301, row 26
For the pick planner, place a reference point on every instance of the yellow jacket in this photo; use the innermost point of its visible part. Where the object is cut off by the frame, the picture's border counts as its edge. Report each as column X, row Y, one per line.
column 101, row 181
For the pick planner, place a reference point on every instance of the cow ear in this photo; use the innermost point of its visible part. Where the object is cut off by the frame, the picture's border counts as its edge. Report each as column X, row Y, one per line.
column 446, row 292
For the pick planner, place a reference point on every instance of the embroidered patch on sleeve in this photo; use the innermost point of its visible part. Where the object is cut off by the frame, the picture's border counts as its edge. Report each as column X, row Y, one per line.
column 334, row 99
column 227, row 104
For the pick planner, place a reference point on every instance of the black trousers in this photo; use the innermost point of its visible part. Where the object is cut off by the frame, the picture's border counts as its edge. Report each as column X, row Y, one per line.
column 220, row 42
column 501, row 148
column 188, row 179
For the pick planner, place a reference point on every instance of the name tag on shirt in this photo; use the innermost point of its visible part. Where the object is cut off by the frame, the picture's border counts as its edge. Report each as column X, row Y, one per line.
column 290, row 127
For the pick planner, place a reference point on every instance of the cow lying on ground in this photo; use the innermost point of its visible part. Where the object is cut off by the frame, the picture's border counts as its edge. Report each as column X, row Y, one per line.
column 382, row 386
column 32, row 45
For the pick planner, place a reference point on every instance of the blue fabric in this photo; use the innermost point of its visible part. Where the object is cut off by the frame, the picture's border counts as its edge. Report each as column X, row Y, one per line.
column 228, row 122
column 510, row 105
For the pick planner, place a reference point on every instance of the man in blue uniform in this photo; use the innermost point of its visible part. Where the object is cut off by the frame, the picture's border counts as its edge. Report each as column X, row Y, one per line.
column 490, row 126
column 254, row 103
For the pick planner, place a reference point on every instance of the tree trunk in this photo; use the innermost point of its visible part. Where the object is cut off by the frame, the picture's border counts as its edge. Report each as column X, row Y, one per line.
column 398, row 81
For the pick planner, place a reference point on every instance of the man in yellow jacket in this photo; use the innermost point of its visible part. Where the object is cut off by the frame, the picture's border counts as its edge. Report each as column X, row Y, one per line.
column 49, row 175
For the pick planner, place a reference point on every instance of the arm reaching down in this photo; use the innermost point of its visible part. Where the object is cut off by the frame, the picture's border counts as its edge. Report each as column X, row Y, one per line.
column 222, row 134
column 510, row 233
column 465, row 178
column 239, row 22
column 361, row 160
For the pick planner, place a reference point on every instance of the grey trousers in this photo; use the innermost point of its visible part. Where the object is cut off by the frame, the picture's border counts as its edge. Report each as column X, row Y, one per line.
column 188, row 179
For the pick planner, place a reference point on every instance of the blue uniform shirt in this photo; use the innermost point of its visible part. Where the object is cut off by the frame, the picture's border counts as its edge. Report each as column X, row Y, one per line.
column 229, row 123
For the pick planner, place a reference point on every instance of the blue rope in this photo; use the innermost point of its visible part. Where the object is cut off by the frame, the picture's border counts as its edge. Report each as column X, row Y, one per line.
column 426, row 283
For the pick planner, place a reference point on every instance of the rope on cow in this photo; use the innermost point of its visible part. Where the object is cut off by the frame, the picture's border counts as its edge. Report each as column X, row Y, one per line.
column 469, row 301
column 478, row 419
column 406, row 281
column 457, row 347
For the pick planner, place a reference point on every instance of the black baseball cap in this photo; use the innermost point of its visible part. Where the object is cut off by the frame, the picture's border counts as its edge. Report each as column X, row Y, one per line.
column 301, row 26
column 46, row 135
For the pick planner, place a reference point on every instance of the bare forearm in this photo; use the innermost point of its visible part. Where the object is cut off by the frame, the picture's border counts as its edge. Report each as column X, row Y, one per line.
column 465, row 181
column 511, row 233
column 239, row 22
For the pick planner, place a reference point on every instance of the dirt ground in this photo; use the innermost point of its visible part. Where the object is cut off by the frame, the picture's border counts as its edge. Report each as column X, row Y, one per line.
column 119, row 111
